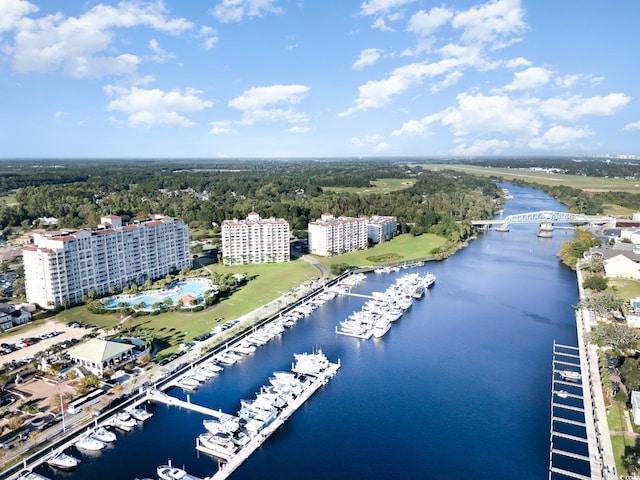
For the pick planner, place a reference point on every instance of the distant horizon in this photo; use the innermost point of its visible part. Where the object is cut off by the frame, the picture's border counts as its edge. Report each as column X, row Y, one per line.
column 322, row 158
column 269, row 79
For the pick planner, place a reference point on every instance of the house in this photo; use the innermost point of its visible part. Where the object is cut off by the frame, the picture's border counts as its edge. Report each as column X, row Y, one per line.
column 98, row 355
column 12, row 316
column 5, row 321
column 621, row 266
column 635, row 406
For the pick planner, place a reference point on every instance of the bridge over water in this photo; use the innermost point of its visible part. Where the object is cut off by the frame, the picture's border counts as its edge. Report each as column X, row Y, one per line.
column 546, row 216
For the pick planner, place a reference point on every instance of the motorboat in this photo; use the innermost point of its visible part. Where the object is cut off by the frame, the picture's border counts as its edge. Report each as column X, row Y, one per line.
column 205, row 372
column 562, row 393
column 62, row 460
column 380, row 328
column 217, row 444
column 570, row 375
column 30, row 475
column 200, row 377
column 139, row 413
column 226, row 423
column 310, row 363
column 428, row 280
column 169, row 472
column 214, row 367
column 103, row 435
column 89, row 443
column 124, row 420
column 189, row 383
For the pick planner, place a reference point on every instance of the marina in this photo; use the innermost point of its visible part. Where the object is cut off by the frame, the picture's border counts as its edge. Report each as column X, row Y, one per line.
column 414, row 373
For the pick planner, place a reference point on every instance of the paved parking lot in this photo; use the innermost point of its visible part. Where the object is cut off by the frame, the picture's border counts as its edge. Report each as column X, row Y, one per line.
column 28, row 331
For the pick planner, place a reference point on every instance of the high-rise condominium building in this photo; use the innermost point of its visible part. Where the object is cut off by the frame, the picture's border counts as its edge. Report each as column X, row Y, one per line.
column 381, row 229
column 64, row 266
column 332, row 236
column 255, row 240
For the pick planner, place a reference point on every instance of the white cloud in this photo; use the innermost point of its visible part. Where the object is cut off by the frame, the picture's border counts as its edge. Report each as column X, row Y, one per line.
column 374, row 142
column 367, row 57
column 380, row 24
column 12, row 11
column 414, row 128
column 376, row 7
column 235, row 10
column 567, row 81
column 490, row 114
column 425, row 24
column 254, row 103
column 498, row 22
column 147, row 107
column 572, row 108
column 532, row 77
column 632, row 126
column 161, row 55
column 375, row 94
column 59, row 115
column 480, row 147
column 558, row 135
column 220, row 127
column 209, row 36
column 82, row 46
column 299, row 129
column 451, row 79
column 517, row 63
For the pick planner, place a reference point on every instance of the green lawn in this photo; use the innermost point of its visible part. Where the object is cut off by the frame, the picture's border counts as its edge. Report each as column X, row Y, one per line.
column 8, row 200
column 615, row 418
column 267, row 282
column 402, row 248
column 625, row 288
column 381, row 186
column 589, row 184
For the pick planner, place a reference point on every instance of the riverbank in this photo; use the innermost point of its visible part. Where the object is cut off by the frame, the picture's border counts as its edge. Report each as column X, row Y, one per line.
column 603, row 462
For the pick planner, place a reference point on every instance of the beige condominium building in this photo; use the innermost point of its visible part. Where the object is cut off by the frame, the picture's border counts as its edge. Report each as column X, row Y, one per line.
column 62, row 267
column 255, row 240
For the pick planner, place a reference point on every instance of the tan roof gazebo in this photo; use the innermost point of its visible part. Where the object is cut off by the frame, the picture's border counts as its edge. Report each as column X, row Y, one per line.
column 97, row 355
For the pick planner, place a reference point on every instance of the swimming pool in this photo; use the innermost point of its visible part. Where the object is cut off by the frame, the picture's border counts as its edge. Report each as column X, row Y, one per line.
column 189, row 291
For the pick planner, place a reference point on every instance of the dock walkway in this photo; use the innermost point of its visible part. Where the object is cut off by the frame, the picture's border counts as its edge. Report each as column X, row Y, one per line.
column 161, row 397
column 255, row 443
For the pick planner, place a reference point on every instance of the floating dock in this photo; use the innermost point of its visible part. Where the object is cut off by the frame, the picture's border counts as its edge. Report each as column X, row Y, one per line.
column 234, row 462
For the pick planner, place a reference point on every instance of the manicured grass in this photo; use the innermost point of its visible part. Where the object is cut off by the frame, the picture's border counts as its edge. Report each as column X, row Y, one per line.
column 268, row 281
column 619, row 443
column 615, row 418
column 625, row 288
column 402, row 248
column 589, row 184
column 381, row 186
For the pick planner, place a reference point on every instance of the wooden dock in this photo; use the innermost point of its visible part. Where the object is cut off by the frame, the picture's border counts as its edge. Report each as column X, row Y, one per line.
column 228, row 468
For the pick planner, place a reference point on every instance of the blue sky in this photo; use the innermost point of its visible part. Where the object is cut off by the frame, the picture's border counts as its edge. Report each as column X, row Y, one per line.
column 318, row 78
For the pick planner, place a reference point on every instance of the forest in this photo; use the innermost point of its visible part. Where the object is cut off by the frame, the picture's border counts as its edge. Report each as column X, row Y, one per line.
column 206, row 192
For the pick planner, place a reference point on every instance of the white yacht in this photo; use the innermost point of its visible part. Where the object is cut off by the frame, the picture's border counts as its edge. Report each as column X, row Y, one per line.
column 169, row 472
column 31, row 475
column 189, row 383
column 310, row 363
column 570, row 375
column 89, row 443
column 428, row 280
column 104, row 435
column 381, row 327
column 124, row 420
column 139, row 413
column 62, row 461
column 217, row 443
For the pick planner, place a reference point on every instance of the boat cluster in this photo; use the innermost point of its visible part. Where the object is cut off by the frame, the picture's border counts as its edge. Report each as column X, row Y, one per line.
column 378, row 313
column 95, row 439
column 228, row 434
column 205, row 372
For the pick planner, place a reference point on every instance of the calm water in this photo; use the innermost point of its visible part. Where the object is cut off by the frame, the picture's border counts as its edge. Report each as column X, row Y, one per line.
column 459, row 388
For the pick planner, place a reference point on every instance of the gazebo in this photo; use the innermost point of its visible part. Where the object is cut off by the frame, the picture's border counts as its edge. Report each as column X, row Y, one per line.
column 97, row 355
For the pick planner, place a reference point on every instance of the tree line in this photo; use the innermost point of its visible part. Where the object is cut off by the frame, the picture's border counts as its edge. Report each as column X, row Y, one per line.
column 203, row 192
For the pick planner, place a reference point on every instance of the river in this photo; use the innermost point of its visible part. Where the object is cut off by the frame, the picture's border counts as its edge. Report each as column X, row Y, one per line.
column 459, row 387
